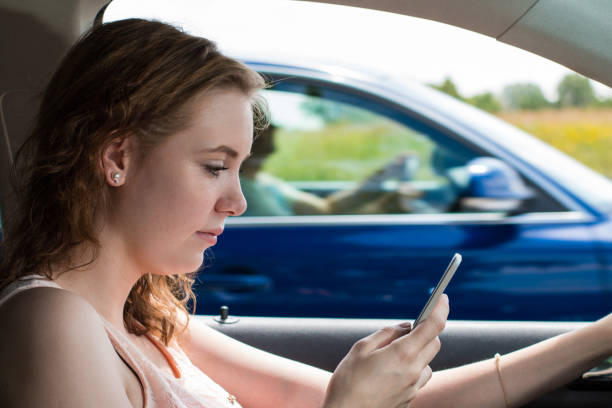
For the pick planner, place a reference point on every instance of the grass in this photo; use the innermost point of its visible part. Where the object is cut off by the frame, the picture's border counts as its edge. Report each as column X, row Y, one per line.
column 352, row 150
column 347, row 151
column 585, row 134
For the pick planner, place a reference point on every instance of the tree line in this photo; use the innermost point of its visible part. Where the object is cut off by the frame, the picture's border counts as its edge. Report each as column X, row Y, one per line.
column 573, row 91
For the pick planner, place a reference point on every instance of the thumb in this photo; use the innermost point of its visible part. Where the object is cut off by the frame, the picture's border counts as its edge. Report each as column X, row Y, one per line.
column 384, row 336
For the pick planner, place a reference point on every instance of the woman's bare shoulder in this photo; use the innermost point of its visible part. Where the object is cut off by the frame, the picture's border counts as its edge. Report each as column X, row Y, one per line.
column 38, row 304
column 54, row 347
column 48, row 315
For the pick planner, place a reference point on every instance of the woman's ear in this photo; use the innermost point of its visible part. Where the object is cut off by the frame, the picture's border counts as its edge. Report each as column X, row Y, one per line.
column 116, row 159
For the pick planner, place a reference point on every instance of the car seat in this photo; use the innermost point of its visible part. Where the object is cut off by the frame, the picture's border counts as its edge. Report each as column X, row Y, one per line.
column 17, row 111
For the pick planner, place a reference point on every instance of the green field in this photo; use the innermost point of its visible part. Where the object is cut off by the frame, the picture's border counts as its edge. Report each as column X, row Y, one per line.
column 585, row 134
column 352, row 150
column 343, row 151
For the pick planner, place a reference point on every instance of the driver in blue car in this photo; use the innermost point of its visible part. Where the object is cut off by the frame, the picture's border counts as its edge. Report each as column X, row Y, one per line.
column 268, row 195
column 128, row 176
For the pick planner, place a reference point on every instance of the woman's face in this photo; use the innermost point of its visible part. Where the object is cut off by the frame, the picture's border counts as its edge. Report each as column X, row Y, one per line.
column 174, row 202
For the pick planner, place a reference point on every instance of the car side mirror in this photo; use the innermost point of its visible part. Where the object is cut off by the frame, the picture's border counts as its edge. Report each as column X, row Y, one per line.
column 493, row 185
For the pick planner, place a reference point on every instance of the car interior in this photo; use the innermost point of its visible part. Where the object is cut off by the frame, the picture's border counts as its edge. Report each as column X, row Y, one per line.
column 35, row 34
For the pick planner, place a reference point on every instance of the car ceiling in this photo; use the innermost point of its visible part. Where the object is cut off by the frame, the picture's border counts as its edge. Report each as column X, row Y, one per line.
column 554, row 29
column 574, row 33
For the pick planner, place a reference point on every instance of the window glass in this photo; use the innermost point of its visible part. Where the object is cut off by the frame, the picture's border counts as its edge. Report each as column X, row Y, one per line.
column 322, row 156
column 543, row 98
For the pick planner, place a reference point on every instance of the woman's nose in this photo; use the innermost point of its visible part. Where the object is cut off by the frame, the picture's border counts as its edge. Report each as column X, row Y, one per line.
column 232, row 202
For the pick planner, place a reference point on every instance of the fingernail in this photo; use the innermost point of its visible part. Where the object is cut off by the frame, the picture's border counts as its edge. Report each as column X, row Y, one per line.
column 406, row 325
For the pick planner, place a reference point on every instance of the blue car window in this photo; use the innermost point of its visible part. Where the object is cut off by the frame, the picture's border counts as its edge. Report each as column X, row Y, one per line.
column 324, row 156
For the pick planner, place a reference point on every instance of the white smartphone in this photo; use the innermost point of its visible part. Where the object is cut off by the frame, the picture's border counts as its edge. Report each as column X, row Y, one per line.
column 440, row 287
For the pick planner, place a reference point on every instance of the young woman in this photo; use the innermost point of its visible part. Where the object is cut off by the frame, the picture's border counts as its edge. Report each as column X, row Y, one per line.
column 128, row 176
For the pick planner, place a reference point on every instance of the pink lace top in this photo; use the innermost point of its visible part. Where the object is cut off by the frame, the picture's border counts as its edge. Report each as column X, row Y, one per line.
column 193, row 389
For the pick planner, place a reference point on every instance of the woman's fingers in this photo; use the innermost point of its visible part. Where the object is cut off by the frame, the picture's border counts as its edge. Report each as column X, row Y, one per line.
column 424, row 333
column 433, row 326
column 413, row 388
column 424, row 378
column 421, row 346
column 388, row 367
column 428, row 352
column 382, row 337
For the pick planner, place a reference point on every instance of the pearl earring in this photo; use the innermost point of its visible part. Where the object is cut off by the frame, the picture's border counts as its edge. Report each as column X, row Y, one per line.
column 116, row 177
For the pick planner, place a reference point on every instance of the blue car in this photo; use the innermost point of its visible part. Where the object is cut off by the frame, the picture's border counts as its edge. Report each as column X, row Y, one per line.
column 363, row 188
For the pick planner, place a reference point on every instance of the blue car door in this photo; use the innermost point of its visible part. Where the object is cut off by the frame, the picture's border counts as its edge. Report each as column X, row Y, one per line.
column 355, row 208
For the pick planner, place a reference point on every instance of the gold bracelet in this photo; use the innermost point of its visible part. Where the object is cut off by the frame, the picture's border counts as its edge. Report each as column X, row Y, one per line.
column 501, row 381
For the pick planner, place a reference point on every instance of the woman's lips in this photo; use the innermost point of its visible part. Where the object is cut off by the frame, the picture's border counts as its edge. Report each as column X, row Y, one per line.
column 209, row 237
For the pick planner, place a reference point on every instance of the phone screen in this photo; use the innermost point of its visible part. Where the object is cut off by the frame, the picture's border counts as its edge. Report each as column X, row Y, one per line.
column 437, row 292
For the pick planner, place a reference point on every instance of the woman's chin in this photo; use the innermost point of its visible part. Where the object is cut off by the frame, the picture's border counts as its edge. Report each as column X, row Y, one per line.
column 182, row 268
column 192, row 266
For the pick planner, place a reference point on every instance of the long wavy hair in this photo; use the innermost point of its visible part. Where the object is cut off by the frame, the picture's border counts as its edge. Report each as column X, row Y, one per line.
column 126, row 78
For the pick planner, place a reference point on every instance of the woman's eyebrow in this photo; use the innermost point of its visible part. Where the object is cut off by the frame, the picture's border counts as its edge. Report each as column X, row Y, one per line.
column 223, row 149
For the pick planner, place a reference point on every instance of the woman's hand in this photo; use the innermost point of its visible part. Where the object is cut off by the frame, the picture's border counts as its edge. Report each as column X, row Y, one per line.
column 387, row 368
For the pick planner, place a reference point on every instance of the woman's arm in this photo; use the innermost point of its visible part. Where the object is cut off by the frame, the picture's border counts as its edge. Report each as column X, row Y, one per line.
column 526, row 373
column 384, row 369
column 363, row 378
column 256, row 377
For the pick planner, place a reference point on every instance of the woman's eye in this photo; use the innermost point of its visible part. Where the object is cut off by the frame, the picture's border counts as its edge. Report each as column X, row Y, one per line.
column 214, row 170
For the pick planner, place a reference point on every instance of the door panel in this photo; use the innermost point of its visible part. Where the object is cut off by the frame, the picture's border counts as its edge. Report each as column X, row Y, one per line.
column 323, row 343
column 516, row 271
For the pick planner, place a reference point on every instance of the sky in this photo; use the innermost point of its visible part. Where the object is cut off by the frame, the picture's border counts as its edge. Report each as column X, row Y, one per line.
column 402, row 46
